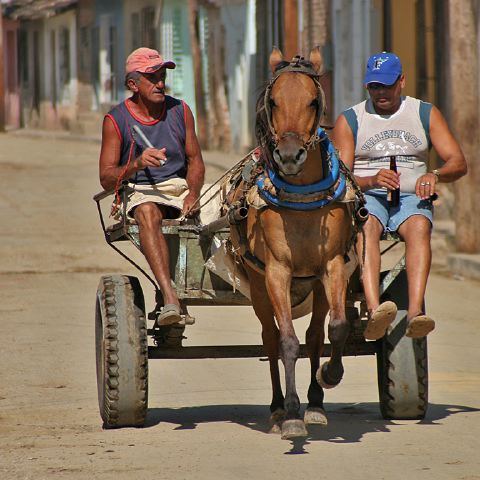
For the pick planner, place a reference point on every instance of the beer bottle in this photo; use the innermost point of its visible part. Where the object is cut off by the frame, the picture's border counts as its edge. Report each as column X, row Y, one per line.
column 393, row 196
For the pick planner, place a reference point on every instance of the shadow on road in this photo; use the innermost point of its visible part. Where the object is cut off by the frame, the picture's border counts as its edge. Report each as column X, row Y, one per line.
column 348, row 423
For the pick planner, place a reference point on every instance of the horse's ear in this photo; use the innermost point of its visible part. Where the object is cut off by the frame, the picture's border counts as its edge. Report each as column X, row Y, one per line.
column 316, row 59
column 275, row 58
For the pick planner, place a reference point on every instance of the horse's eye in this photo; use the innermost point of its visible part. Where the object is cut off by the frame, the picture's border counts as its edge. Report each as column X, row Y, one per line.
column 272, row 103
column 314, row 103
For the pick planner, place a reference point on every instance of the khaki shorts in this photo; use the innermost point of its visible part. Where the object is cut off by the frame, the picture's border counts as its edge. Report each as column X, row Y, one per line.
column 170, row 193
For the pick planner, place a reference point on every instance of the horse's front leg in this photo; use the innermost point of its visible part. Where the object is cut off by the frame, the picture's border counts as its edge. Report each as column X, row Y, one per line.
column 315, row 338
column 335, row 283
column 270, row 336
column 278, row 281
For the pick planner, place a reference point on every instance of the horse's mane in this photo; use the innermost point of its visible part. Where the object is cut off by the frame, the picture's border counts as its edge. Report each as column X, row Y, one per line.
column 262, row 130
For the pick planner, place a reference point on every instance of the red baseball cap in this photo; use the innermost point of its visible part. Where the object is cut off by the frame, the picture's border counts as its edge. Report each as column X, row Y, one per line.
column 146, row 60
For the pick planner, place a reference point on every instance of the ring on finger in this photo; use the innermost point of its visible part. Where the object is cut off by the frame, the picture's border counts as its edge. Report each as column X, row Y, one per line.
column 422, row 184
column 427, row 183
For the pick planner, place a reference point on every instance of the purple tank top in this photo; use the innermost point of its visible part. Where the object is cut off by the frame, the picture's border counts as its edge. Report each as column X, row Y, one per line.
column 168, row 132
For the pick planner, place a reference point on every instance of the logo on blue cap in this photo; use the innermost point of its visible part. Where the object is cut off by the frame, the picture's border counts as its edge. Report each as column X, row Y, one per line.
column 383, row 68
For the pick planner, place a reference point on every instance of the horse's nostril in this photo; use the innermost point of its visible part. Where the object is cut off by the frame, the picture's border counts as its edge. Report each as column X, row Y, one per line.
column 301, row 154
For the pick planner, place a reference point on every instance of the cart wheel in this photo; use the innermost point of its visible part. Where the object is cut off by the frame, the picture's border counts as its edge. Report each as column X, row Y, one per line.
column 402, row 363
column 121, row 352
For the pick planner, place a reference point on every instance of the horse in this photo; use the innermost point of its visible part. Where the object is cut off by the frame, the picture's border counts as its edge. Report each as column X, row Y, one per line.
column 290, row 252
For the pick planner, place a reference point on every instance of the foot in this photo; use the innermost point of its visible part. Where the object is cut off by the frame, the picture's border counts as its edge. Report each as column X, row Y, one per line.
column 169, row 314
column 419, row 326
column 379, row 320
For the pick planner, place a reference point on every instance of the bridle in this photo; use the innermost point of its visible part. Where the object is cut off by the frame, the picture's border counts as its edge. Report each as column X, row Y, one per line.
column 297, row 65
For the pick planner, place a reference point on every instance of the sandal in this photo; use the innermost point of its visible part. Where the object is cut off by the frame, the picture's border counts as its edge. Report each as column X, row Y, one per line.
column 379, row 320
column 419, row 326
column 170, row 313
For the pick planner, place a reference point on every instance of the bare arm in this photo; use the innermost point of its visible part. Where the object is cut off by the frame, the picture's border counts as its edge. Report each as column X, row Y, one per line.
column 196, row 167
column 345, row 144
column 343, row 141
column 110, row 168
column 448, row 150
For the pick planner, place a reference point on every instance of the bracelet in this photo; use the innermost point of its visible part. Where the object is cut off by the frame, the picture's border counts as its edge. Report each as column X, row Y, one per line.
column 436, row 172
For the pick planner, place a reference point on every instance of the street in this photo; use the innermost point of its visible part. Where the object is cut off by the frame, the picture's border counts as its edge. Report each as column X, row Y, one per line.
column 207, row 418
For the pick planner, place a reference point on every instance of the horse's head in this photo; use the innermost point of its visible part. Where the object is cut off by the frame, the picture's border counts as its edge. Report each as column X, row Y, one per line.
column 294, row 104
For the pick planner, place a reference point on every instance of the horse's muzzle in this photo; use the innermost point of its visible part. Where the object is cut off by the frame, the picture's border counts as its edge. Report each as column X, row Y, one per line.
column 290, row 155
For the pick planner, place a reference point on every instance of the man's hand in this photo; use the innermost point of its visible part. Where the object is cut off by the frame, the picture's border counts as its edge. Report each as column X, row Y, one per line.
column 151, row 157
column 190, row 205
column 386, row 178
column 425, row 186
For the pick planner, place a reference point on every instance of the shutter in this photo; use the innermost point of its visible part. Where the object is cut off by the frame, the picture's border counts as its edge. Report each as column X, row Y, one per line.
column 178, row 52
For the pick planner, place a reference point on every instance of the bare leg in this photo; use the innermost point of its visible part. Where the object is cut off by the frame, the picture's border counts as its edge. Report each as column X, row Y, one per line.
column 373, row 230
column 149, row 218
column 416, row 231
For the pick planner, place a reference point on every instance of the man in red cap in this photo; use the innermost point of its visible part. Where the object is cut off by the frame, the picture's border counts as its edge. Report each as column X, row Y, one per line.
column 367, row 136
column 150, row 140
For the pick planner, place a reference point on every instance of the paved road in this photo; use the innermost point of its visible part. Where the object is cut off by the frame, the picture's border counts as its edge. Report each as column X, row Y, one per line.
column 207, row 418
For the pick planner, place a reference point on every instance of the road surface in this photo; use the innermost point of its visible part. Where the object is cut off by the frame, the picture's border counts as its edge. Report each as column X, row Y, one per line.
column 207, row 418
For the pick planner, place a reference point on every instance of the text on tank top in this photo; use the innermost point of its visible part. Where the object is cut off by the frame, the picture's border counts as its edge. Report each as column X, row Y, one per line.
column 403, row 134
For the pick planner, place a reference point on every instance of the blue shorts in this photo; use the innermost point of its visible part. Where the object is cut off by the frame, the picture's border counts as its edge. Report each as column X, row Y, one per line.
column 392, row 218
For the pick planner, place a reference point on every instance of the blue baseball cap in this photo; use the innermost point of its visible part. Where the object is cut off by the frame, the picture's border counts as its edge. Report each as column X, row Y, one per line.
column 383, row 68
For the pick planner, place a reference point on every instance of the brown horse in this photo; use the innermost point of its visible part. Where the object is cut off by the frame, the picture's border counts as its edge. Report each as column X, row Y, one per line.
column 290, row 250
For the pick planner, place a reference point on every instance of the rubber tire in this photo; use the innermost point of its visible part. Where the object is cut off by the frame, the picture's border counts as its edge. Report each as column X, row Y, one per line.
column 121, row 352
column 402, row 363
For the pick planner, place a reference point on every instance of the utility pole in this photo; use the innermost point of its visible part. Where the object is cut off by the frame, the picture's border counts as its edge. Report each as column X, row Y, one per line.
column 2, row 73
column 463, row 109
column 290, row 27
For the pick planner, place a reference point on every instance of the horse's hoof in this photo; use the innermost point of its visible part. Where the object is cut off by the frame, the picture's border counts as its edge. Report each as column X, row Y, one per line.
column 323, row 380
column 293, row 429
column 276, row 420
column 315, row 416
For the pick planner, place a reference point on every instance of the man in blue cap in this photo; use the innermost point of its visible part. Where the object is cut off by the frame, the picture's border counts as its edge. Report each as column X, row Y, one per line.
column 367, row 136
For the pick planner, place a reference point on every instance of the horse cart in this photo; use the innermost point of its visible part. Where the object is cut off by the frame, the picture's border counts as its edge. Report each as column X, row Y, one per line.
column 127, row 335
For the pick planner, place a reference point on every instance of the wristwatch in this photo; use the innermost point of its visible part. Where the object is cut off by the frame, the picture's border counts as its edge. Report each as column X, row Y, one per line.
column 436, row 172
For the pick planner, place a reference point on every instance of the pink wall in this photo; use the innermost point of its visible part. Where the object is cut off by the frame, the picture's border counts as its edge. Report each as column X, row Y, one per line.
column 12, row 87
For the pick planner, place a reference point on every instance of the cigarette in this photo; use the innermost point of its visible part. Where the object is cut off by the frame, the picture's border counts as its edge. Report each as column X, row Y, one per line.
column 145, row 140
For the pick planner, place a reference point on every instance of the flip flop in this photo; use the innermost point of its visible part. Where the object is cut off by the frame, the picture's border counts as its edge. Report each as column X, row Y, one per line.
column 170, row 313
column 379, row 320
column 419, row 326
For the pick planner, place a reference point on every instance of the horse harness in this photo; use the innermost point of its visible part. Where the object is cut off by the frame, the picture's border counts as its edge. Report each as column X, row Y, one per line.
column 261, row 187
column 297, row 65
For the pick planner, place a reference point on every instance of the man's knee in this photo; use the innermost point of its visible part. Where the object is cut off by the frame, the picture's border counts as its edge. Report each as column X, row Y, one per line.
column 373, row 228
column 417, row 226
column 148, row 215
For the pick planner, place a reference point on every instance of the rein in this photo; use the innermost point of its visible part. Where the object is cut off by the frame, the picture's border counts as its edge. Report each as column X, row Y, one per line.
column 297, row 65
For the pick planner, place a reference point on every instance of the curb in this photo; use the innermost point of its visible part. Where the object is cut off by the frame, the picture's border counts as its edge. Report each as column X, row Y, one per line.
column 465, row 265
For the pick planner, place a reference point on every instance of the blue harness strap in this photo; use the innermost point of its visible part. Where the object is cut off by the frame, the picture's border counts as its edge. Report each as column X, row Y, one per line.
column 300, row 205
column 329, row 181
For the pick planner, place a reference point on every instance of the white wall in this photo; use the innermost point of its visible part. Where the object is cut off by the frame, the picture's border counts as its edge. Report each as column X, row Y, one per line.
column 355, row 36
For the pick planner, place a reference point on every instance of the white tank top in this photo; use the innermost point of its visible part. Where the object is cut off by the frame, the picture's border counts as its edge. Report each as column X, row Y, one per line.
column 404, row 134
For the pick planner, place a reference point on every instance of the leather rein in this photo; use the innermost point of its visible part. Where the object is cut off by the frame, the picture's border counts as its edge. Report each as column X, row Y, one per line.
column 297, row 65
